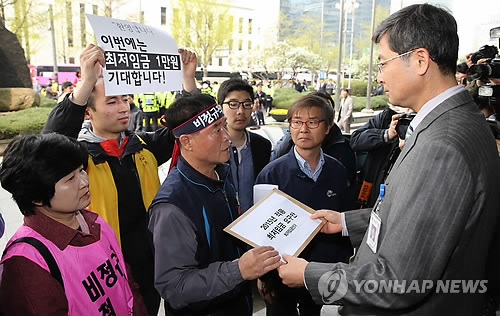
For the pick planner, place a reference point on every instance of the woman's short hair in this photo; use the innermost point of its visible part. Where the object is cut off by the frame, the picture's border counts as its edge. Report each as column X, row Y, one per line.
column 33, row 164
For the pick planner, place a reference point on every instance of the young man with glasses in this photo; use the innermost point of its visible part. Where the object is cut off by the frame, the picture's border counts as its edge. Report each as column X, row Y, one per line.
column 315, row 179
column 249, row 152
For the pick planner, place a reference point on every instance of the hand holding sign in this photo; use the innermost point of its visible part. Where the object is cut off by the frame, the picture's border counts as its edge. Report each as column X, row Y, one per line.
column 292, row 273
column 189, row 62
column 257, row 262
column 334, row 221
column 91, row 63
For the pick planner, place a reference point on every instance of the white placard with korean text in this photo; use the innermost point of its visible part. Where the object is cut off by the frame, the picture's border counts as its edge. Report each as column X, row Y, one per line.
column 139, row 58
column 279, row 221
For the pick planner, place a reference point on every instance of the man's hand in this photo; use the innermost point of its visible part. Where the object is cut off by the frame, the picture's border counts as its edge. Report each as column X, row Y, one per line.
column 91, row 63
column 468, row 61
column 189, row 63
column 333, row 219
column 292, row 273
column 392, row 128
column 258, row 261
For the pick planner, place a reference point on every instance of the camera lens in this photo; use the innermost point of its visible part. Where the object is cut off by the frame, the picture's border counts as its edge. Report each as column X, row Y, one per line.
column 480, row 71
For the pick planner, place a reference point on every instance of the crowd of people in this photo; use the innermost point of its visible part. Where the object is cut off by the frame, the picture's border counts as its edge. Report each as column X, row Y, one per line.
column 102, row 236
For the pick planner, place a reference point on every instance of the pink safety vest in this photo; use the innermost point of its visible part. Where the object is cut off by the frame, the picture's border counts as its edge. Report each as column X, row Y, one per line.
column 94, row 276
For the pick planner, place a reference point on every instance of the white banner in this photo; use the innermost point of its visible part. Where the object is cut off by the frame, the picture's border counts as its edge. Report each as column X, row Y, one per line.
column 139, row 58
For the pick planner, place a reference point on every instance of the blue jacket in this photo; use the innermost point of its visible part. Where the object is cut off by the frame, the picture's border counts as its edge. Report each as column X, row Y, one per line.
column 328, row 192
column 210, row 282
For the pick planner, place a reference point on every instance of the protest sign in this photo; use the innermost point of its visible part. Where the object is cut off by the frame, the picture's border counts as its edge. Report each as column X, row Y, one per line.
column 138, row 58
column 279, row 221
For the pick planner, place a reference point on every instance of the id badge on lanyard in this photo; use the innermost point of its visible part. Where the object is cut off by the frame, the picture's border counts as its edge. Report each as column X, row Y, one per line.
column 375, row 223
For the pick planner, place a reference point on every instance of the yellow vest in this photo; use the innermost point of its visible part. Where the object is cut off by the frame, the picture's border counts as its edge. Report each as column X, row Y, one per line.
column 103, row 194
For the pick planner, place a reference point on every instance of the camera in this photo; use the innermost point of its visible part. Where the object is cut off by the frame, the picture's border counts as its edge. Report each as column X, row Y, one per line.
column 403, row 123
column 492, row 94
column 486, row 51
column 489, row 69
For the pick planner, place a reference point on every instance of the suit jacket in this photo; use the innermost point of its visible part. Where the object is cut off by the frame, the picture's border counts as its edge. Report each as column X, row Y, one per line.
column 346, row 107
column 439, row 220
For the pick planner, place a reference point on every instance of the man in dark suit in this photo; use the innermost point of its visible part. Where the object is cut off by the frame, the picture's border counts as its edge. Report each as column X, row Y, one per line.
column 438, row 222
column 250, row 152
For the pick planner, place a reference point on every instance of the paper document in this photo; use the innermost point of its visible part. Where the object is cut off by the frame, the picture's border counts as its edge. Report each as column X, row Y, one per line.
column 278, row 221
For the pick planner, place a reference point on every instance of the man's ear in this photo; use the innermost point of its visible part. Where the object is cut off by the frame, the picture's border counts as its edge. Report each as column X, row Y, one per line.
column 423, row 60
column 186, row 142
column 88, row 114
column 328, row 130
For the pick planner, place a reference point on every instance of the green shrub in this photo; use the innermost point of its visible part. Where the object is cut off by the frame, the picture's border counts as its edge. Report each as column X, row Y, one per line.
column 24, row 122
column 378, row 102
column 358, row 87
column 46, row 102
column 284, row 97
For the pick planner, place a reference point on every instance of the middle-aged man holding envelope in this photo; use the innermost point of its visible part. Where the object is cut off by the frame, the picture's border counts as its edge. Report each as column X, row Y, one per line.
column 199, row 268
column 123, row 166
column 431, row 244
column 315, row 179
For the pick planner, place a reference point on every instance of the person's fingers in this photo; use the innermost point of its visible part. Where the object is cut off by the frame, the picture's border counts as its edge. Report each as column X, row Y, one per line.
column 268, row 254
column 271, row 259
column 272, row 267
column 321, row 214
column 262, row 249
column 396, row 116
column 286, row 257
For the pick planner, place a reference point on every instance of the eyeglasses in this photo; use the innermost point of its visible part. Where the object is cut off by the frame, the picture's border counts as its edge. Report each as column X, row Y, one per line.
column 296, row 124
column 234, row 105
column 383, row 62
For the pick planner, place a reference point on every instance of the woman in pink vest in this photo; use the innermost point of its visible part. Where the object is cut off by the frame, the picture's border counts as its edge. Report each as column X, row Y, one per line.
column 64, row 259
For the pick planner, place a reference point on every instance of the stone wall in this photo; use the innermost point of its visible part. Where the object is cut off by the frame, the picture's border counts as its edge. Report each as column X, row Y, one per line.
column 14, row 99
column 14, row 72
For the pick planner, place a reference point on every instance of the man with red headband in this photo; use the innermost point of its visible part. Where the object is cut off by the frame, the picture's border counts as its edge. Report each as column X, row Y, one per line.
column 200, row 269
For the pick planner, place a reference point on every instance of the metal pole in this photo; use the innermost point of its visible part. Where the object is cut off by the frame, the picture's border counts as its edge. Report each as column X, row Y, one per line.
column 352, row 40
column 54, row 52
column 321, row 35
column 344, row 44
column 339, row 63
column 370, row 64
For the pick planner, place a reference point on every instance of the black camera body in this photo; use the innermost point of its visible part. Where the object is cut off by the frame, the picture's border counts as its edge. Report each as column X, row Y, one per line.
column 486, row 51
column 489, row 69
column 403, row 123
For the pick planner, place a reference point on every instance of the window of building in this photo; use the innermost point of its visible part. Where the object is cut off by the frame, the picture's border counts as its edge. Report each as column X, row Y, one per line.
column 69, row 23
column 240, row 45
column 249, row 26
column 249, row 45
column 83, row 32
column 163, row 16
column 71, row 60
column 240, row 25
column 94, row 9
column 220, row 61
column 230, row 44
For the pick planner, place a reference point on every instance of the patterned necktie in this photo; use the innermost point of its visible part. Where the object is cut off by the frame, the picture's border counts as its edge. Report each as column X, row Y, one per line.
column 409, row 131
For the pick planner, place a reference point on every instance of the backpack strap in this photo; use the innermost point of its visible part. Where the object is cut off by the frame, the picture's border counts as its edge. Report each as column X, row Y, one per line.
column 44, row 251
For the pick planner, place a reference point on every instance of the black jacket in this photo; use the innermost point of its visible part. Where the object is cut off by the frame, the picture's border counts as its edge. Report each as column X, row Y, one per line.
column 261, row 152
column 381, row 155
